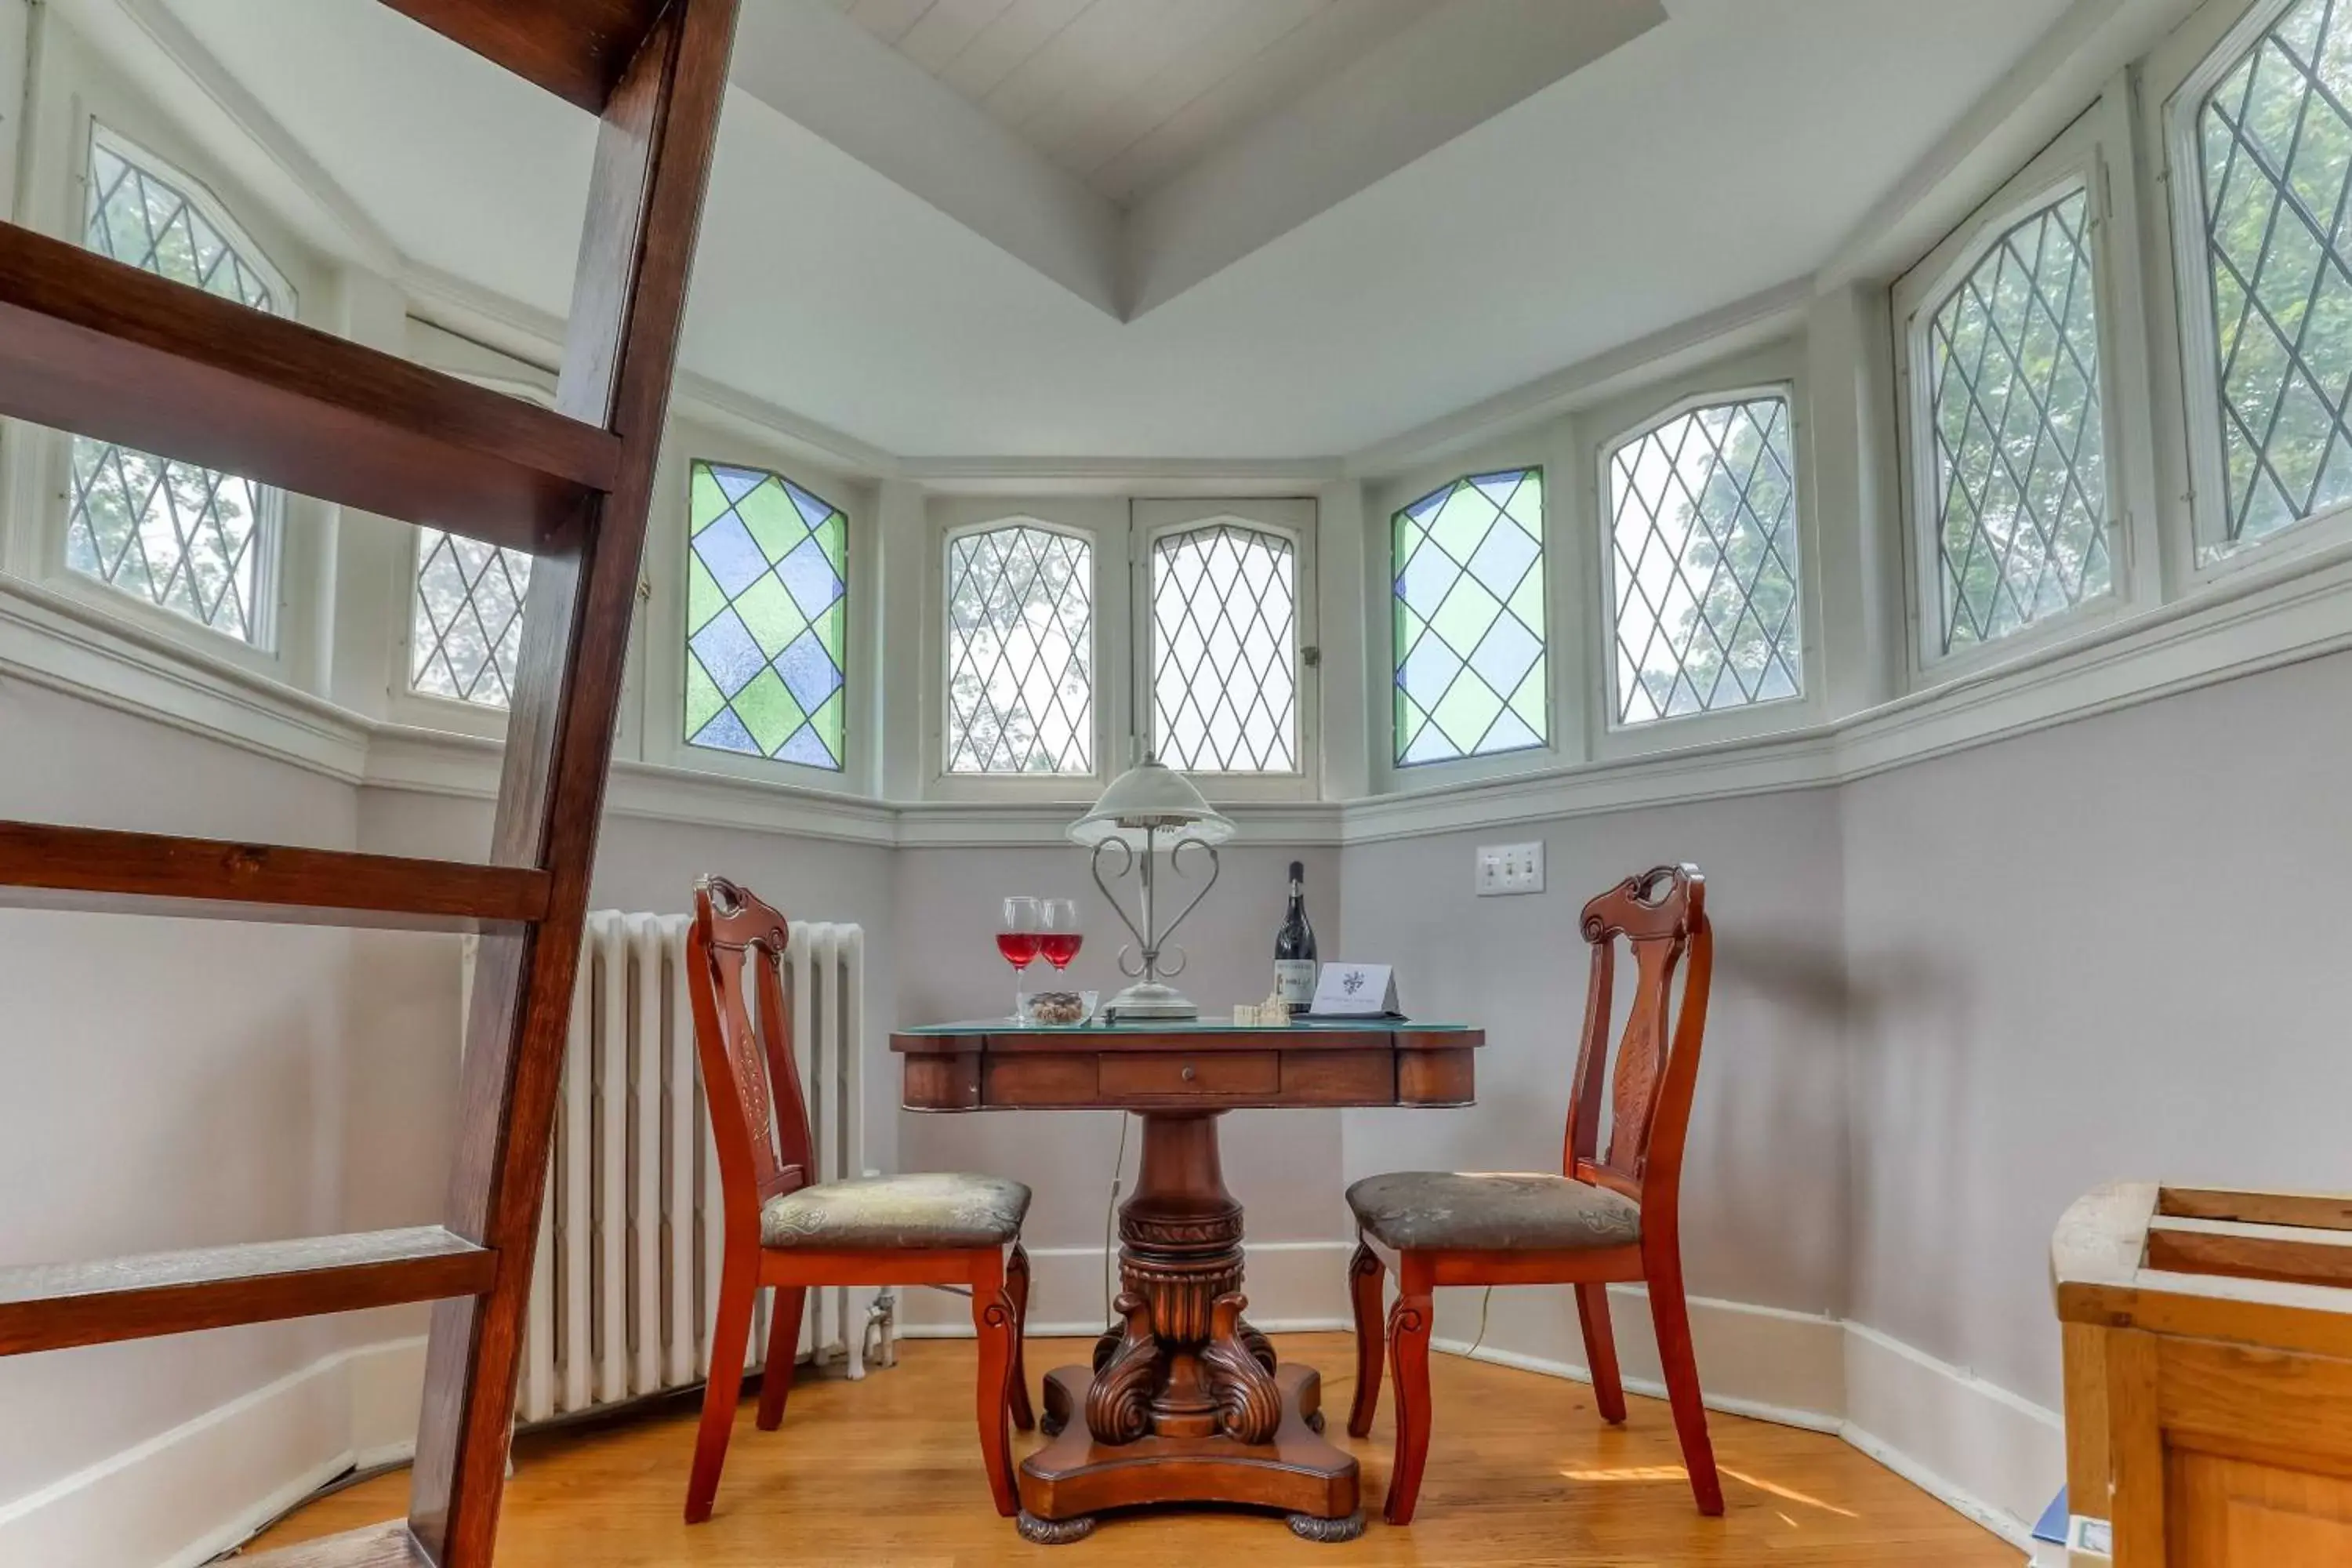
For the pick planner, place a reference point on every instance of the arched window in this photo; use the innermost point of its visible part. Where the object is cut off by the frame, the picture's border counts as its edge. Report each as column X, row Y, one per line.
column 766, row 607
column 2262, row 135
column 465, row 635
column 1224, row 640
column 193, row 540
column 1467, row 563
column 2015, row 474
column 1703, row 561
column 1020, row 651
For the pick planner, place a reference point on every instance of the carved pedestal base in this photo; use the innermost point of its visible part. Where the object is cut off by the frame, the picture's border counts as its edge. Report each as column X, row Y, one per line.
column 1184, row 1402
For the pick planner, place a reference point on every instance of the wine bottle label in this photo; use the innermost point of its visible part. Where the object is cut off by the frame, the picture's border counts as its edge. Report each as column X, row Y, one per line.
column 1294, row 980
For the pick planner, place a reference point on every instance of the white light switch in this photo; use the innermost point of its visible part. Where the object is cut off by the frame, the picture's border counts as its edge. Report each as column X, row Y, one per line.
column 1507, row 869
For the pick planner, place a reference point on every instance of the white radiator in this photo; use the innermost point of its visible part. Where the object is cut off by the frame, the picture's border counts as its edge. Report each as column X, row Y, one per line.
column 624, row 1285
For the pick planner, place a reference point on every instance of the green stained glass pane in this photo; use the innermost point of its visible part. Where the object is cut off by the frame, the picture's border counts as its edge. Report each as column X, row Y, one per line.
column 706, row 503
column 703, row 597
column 703, row 700
column 768, row 710
column 747, row 630
column 767, row 607
column 1469, row 558
column 772, row 518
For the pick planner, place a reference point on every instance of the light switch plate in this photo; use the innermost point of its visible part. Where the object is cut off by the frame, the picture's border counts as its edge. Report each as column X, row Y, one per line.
column 1505, row 869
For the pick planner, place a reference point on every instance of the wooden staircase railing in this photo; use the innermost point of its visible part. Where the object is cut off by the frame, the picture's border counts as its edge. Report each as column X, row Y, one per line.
column 106, row 350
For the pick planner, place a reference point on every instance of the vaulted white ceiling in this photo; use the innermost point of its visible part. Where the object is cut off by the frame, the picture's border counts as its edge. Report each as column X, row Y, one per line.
column 1299, row 251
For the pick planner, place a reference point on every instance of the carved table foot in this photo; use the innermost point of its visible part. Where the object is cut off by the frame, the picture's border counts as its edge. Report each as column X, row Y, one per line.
column 1330, row 1531
column 1062, row 1532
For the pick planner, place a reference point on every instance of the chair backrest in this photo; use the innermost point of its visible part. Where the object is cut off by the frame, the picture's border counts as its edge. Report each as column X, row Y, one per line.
column 1659, row 915
column 743, row 1038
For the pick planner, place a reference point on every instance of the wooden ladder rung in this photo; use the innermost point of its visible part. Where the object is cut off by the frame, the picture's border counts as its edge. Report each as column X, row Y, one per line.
column 576, row 49
column 48, row 866
column 53, row 1306
column 90, row 345
column 377, row 1546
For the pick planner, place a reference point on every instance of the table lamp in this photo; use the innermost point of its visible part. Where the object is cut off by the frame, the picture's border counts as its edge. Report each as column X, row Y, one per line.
column 1147, row 808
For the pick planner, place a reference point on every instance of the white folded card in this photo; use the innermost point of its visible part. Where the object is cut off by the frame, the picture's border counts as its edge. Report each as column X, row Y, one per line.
column 1360, row 990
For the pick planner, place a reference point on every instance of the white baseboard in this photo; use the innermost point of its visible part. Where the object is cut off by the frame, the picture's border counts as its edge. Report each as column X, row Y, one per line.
column 186, row 1495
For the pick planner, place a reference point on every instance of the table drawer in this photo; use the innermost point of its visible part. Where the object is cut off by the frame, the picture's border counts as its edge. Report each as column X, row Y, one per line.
column 1211, row 1074
column 1338, row 1078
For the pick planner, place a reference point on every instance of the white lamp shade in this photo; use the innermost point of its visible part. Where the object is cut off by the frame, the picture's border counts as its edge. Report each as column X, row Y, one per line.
column 1151, row 795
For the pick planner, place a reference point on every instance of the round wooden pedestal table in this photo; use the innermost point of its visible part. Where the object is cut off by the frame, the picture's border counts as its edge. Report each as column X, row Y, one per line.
column 1185, row 1402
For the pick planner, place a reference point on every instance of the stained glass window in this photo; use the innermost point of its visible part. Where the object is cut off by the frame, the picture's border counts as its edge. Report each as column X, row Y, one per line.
column 1019, row 672
column 1469, row 615
column 1703, row 563
column 766, row 590
column 2275, row 143
column 465, row 624
column 189, row 539
column 1224, row 679
column 2018, row 472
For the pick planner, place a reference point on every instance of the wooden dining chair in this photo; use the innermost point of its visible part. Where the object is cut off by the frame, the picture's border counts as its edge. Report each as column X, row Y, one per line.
column 1602, row 1219
column 782, row 1229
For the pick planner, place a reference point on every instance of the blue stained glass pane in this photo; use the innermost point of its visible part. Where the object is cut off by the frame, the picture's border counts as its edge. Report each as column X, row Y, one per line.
column 1510, row 733
column 1429, row 673
column 1420, row 510
column 1426, row 579
column 806, row 747
column 1505, row 655
column 729, row 652
column 813, row 511
column 736, row 482
column 1497, row 488
column 1505, row 558
column 808, row 671
column 810, row 576
column 733, row 556
column 726, row 734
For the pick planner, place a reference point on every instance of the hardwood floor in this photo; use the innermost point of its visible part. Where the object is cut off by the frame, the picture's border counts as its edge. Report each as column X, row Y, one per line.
column 1521, row 1472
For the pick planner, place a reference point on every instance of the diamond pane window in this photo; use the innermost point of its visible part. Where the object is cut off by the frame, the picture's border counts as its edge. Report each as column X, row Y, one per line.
column 1703, row 563
column 466, row 626
column 2274, row 138
column 2018, row 465
column 1019, row 685
column 766, row 603
column 191, row 540
column 1469, row 619
column 1224, row 676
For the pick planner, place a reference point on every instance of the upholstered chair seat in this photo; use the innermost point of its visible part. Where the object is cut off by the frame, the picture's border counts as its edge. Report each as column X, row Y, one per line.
column 923, row 1209
column 1492, row 1212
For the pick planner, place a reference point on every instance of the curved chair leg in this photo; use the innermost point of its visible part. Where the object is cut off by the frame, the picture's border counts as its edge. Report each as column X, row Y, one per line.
column 1365, row 1275
column 1017, row 1287
column 1409, row 1325
column 1600, row 1350
column 730, row 1337
column 1671, row 1314
column 783, row 1349
column 999, row 1324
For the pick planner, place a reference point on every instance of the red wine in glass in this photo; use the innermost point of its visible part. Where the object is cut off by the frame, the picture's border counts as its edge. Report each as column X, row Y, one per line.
column 1016, row 939
column 1059, row 937
column 1057, row 948
column 1021, row 948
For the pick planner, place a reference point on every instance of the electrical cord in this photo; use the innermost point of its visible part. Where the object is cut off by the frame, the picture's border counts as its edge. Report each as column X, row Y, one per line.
column 1110, row 1212
column 1484, row 1302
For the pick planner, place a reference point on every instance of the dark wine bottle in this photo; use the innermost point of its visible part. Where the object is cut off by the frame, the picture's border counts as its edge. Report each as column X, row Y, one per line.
column 1293, row 946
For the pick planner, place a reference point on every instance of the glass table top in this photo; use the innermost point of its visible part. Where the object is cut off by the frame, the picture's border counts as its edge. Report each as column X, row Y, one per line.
column 1188, row 1026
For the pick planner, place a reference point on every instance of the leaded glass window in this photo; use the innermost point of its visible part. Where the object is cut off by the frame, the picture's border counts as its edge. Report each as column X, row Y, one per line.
column 1224, row 674
column 1469, row 619
column 191, row 540
column 466, row 626
column 1703, row 563
column 2016, row 473
column 2274, row 143
column 766, row 603
column 1020, row 646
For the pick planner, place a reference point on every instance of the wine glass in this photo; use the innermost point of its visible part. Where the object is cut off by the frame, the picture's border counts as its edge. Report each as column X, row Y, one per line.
column 1059, row 938
column 1016, row 939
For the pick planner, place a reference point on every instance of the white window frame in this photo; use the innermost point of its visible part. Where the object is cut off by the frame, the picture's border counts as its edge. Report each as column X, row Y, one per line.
column 2090, row 154
column 1774, row 710
column 660, row 653
column 2190, row 65
column 1289, row 518
column 80, row 99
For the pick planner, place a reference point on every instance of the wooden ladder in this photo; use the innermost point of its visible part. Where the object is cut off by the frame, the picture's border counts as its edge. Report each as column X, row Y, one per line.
column 106, row 350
